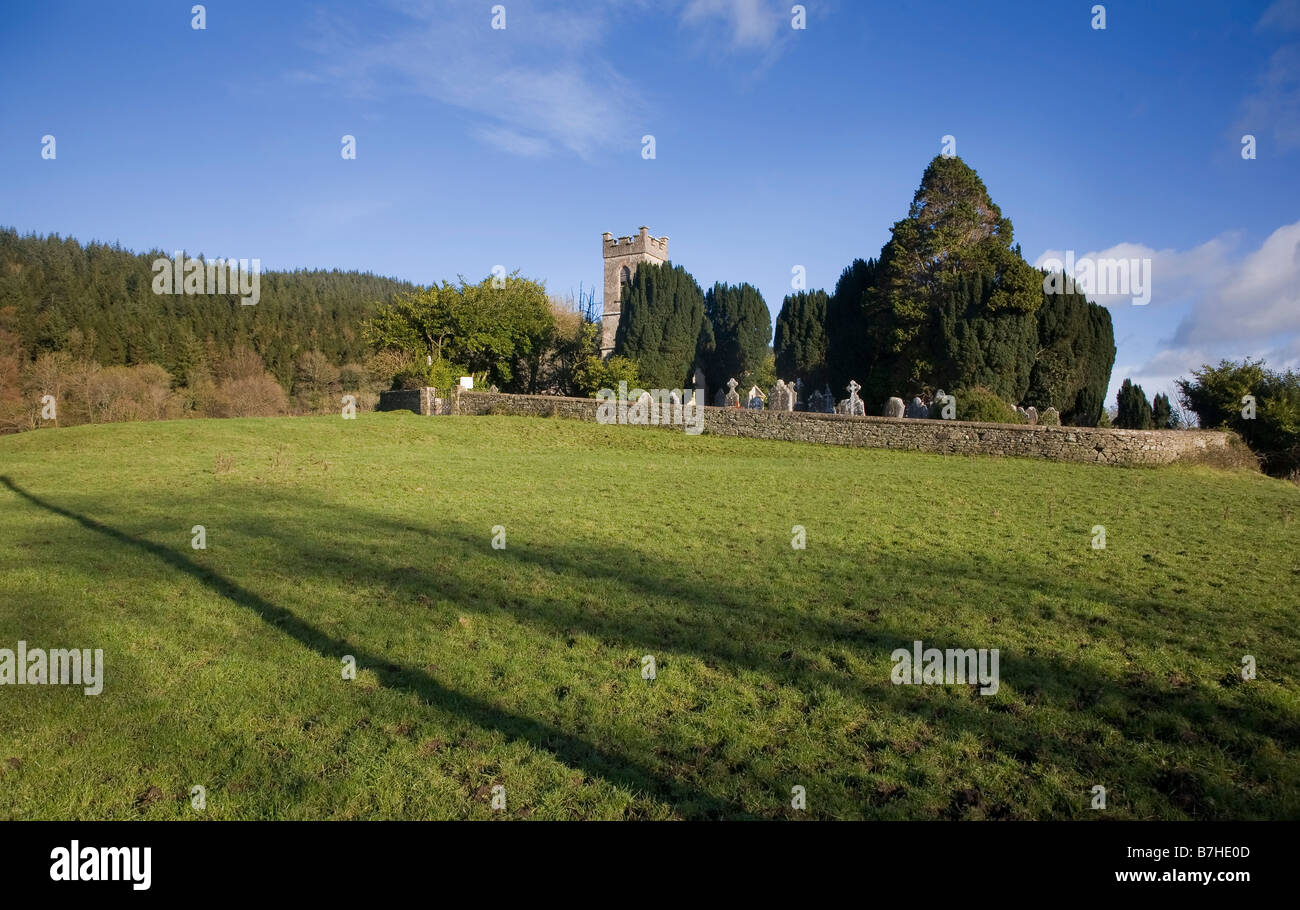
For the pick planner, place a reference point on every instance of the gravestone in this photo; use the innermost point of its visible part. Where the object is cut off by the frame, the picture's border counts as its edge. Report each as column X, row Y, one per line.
column 894, row 407
column 1050, row 418
column 1031, row 414
column 916, row 409
column 733, row 399
column 720, row 399
column 800, row 404
column 828, row 400
column 781, row 398
column 853, row 404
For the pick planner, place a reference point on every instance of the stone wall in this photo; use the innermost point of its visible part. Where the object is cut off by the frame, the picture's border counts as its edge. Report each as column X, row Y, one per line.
column 946, row 437
column 403, row 400
column 422, row 401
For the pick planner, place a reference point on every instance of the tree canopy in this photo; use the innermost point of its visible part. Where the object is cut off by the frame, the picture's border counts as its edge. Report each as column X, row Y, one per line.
column 1133, row 410
column 735, row 336
column 661, row 322
column 800, row 345
column 1261, row 405
column 952, row 303
column 96, row 302
column 486, row 329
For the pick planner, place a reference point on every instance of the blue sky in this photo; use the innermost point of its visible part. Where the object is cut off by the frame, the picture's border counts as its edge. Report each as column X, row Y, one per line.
column 774, row 147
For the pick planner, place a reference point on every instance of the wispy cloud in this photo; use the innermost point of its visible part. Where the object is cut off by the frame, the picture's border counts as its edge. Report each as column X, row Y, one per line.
column 534, row 88
column 748, row 24
column 1274, row 108
column 1282, row 14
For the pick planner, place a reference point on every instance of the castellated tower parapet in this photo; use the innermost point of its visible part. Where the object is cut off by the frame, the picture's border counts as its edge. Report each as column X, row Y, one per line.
column 622, row 255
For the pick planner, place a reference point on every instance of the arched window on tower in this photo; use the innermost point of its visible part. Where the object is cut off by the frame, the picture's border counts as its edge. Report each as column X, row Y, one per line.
column 625, row 277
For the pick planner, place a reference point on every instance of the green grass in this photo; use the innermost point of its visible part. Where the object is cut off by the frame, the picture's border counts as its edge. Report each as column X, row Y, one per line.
column 522, row 666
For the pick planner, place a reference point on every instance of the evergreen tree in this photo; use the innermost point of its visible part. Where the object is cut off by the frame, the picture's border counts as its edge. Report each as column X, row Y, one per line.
column 800, row 343
column 1134, row 411
column 661, row 324
column 1074, row 356
column 740, row 327
column 951, row 302
column 854, row 325
column 97, row 302
column 1161, row 413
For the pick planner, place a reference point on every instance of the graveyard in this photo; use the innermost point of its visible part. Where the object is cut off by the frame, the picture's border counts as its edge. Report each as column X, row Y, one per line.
column 769, row 581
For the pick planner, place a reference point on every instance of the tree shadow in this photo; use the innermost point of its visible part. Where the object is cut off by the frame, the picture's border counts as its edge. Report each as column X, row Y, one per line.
column 571, row 750
column 720, row 624
column 725, row 632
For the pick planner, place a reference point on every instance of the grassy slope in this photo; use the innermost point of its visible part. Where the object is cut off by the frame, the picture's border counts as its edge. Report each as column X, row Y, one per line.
column 522, row 666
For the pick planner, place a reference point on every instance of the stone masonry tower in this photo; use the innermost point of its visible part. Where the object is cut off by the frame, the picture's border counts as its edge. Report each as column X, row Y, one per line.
column 621, row 259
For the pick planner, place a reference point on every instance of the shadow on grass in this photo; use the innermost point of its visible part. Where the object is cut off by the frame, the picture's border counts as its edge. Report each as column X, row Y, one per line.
column 722, row 623
column 571, row 750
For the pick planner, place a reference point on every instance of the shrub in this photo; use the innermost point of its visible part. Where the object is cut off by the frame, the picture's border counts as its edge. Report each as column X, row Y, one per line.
column 411, row 379
column 1215, row 394
column 251, row 396
column 315, row 381
column 383, row 366
column 595, row 374
column 982, row 405
column 116, row 394
column 353, row 377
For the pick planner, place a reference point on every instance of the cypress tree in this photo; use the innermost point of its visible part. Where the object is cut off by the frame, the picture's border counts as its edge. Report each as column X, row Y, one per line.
column 1134, row 411
column 740, row 327
column 1161, row 413
column 951, row 302
column 661, row 324
column 800, row 342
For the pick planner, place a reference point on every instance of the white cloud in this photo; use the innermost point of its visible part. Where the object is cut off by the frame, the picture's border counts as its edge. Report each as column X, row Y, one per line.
column 1174, row 276
column 533, row 88
column 1235, row 304
column 1257, row 299
column 508, row 140
column 751, row 24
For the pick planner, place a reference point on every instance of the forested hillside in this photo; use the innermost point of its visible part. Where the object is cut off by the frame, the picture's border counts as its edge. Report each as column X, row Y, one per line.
column 96, row 302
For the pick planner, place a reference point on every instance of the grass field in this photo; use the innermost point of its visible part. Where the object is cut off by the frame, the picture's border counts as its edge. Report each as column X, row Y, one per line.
column 521, row 666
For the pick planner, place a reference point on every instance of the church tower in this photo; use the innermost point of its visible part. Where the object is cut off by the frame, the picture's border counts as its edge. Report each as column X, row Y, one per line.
column 622, row 256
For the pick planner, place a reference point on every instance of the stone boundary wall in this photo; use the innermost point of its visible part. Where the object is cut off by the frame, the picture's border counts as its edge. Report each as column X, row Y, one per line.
column 945, row 437
column 422, row 401
column 403, row 400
